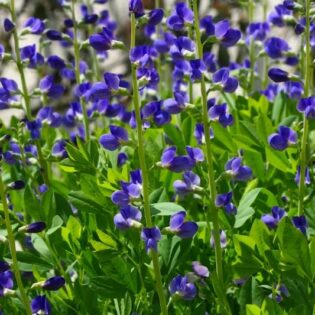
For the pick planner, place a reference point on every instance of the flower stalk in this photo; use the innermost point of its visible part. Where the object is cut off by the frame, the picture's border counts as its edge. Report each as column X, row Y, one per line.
column 11, row 241
column 209, row 156
column 308, row 74
column 144, row 170
column 77, row 69
column 25, row 93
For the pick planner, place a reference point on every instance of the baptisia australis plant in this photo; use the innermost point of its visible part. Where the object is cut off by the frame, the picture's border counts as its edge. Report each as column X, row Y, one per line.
column 181, row 184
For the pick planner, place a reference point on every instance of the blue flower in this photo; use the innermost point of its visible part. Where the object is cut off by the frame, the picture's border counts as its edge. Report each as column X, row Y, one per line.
column 300, row 223
column 176, row 163
column 180, row 16
column 151, row 236
column 183, row 229
column 281, row 140
column 128, row 217
column 113, row 140
column 50, row 88
column 307, row 176
column 220, row 113
column 59, row 149
column 9, row 26
column 136, row 7
column 122, row 158
column 190, row 183
column 4, row 266
column 222, row 77
column 200, row 134
column 200, row 270
column 182, row 287
column 277, row 17
column 238, row 171
column 6, row 282
column 278, row 75
column 272, row 220
column 224, row 200
column 34, row 25
column 34, row 127
column 17, row 185
column 40, row 305
column 53, row 283
column 258, row 31
column 156, row 16
column 102, row 41
column 276, row 47
column 223, row 239
column 225, row 34
column 307, row 106
column 34, row 227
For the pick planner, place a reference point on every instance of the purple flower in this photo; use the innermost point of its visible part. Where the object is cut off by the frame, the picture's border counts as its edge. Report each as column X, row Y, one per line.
column 156, row 16
column 136, row 7
column 34, row 227
column 300, row 223
column 307, row 106
column 281, row 140
column 277, row 17
column 224, row 200
column 59, row 149
column 200, row 270
column 50, row 88
column 190, row 182
column 181, row 286
column 200, row 135
column 220, row 113
column 122, row 158
column 54, row 35
column 34, row 25
column 278, row 75
column 128, row 217
column 223, row 240
column 151, row 236
column 34, row 128
column 16, row 185
column 183, row 229
column 276, row 47
column 9, row 26
column 258, row 31
column 180, row 16
column 113, row 140
column 4, row 266
column 102, row 41
column 40, row 305
column 238, row 171
column 54, row 283
column 6, row 281
column 272, row 220
column 307, row 176
column 176, row 163
column 222, row 77
column 227, row 35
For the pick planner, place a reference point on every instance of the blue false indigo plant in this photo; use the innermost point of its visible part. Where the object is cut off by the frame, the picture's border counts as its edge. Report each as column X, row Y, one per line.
column 148, row 191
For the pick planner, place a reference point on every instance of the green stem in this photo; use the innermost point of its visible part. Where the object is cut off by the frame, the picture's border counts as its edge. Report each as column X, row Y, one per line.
column 211, row 180
column 307, row 88
column 77, row 69
column 26, row 96
column 11, row 241
column 143, row 166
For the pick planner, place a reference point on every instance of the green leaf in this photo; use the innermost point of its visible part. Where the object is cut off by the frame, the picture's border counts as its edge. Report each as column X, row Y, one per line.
column 32, row 204
column 55, row 225
column 244, row 210
column 106, row 239
column 278, row 160
column 165, row 208
column 252, row 309
column 294, row 249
